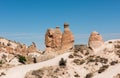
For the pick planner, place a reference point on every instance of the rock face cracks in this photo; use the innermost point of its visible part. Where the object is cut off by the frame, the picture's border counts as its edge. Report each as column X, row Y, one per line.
column 55, row 40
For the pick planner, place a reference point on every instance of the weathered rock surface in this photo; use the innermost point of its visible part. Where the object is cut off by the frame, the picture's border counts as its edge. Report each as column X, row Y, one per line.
column 56, row 41
column 53, row 39
column 49, row 40
column 95, row 40
column 31, row 48
column 13, row 47
column 57, row 38
column 67, row 38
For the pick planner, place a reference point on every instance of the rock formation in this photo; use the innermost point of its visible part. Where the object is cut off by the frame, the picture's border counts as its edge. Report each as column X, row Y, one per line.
column 13, row 47
column 95, row 40
column 24, row 48
column 49, row 40
column 55, row 40
column 57, row 36
column 67, row 38
column 32, row 48
column 9, row 49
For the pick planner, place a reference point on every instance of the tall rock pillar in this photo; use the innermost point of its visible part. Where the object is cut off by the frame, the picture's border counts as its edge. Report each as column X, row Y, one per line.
column 67, row 38
column 57, row 38
column 49, row 42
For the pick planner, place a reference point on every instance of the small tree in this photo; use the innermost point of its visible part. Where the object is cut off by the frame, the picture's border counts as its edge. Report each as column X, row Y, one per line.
column 8, row 44
column 89, row 75
column 22, row 59
column 1, row 62
column 34, row 60
column 62, row 62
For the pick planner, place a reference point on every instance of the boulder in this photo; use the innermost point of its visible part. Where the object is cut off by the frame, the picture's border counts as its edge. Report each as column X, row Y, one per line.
column 95, row 40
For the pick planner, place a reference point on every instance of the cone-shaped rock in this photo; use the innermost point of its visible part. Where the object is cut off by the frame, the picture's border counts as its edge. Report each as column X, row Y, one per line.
column 95, row 40
column 67, row 38
column 57, row 38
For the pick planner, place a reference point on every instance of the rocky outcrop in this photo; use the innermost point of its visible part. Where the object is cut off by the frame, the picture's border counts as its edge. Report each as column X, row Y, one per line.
column 55, row 40
column 67, row 38
column 95, row 40
column 9, row 49
column 57, row 36
column 49, row 40
column 24, row 48
column 13, row 47
column 32, row 48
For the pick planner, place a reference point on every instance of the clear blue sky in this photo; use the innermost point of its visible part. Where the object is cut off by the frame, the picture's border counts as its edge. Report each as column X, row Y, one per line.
column 27, row 20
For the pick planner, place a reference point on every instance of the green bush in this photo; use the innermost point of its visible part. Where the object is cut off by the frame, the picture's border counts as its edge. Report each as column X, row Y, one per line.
column 76, row 75
column 71, row 56
column 79, row 62
column 62, row 62
column 34, row 60
column 103, row 68
column 113, row 62
column 1, row 62
column 89, row 75
column 8, row 44
column 22, row 59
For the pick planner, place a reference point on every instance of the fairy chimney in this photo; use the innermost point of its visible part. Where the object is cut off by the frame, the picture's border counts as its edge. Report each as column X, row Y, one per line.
column 95, row 40
column 49, row 40
column 57, row 36
column 67, row 38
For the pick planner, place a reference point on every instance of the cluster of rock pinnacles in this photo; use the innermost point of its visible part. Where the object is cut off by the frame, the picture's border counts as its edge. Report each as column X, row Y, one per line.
column 55, row 40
